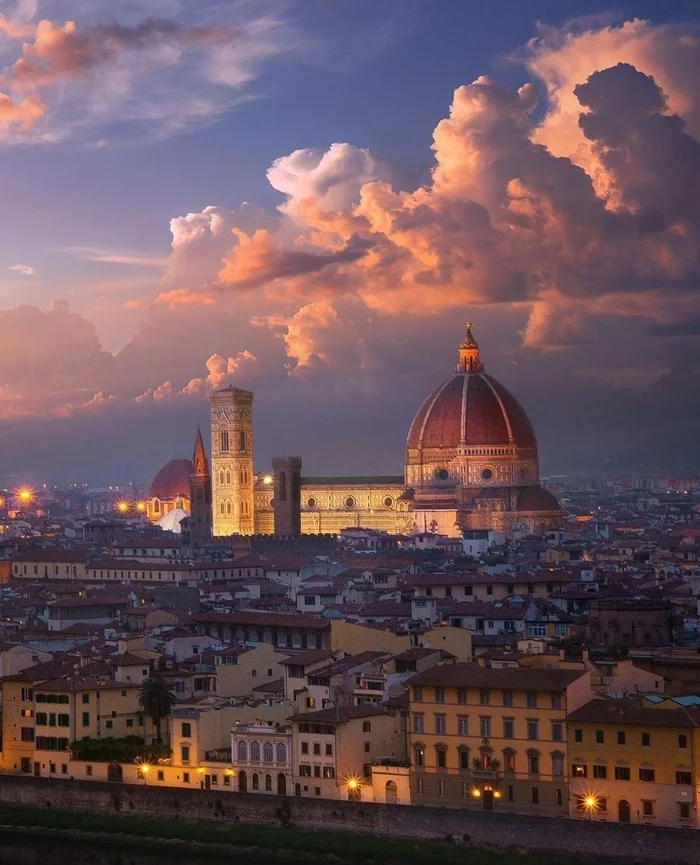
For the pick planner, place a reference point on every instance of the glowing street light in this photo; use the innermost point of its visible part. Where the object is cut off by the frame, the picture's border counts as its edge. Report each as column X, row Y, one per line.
column 141, row 506
column 144, row 769
column 352, row 784
column 25, row 495
column 123, row 507
column 267, row 479
column 590, row 803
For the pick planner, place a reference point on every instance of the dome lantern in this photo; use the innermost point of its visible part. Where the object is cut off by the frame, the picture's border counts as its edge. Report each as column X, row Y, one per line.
column 469, row 360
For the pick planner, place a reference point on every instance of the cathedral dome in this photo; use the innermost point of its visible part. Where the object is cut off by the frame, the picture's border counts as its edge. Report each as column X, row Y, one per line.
column 471, row 409
column 172, row 480
column 537, row 499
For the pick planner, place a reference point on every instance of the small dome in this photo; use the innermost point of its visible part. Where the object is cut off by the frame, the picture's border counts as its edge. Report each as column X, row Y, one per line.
column 172, row 480
column 537, row 499
column 171, row 521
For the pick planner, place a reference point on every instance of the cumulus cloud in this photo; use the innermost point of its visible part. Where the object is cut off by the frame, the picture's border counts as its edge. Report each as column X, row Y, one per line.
column 221, row 371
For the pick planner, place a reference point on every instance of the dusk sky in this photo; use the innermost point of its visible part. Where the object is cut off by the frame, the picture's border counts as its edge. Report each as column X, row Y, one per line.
column 309, row 199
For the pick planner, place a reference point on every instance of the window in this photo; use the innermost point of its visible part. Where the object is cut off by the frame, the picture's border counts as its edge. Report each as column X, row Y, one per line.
column 440, row 724
column 304, row 747
column 557, row 764
column 647, row 808
column 317, row 771
column 440, row 757
column 646, row 739
column 366, row 726
column 27, row 734
column 682, row 740
column 223, row 440
column 109, row 725
column 485, row 727
column 256, row 781
column 579, row 770
column 622, row 773
column 535, row 795
column 463, row 759
column 462, row 696
column 417, row 695
column 558, row 797
column 556, row 701
column 317, row 749
column 88, row 770
column 305, row 770
column 184, row 753
column 533, row 764
column 185, row 777
column 462, row 725
column 508, row 728
column 531, row 700
column 419, row 756
column 484, row 698
column 557, row 731
column 509, row 762
column 578, row 735
column 186, row 729
column 684, row 810
column 647, row 774
column 532, row 729
column 281, row 752
column 511, row 793
column 600, row 772
column 600, row 737
column 366, row 747
column 508, row 699
column 683, row 777
column 439, row 695
column 27, row 695
column 419, row 786
column 621, row 738
column 242, row 751
column 442, row 787
column 86, row 719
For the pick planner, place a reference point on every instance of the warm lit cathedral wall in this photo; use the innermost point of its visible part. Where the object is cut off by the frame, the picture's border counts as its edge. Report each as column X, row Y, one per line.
column 157, row 508
column 328, row 506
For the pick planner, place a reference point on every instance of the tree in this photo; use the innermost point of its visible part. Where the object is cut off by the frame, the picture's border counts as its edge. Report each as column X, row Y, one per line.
column 156, row 700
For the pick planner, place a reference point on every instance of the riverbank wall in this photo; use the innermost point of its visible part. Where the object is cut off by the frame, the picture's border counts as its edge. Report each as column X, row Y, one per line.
column 638, row 843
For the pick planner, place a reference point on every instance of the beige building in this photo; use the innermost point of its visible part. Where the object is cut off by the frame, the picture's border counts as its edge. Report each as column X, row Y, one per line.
column 261, row 755
column 492, row 738
column 334, row 750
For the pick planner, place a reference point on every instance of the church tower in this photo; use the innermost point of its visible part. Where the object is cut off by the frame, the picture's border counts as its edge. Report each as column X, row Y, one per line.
column 286, row 473
column 200, row 494
column 232, row 461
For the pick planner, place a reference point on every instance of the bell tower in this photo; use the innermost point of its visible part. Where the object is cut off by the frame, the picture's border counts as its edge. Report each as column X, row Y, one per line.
column 286, row 472
column 200, row 493
column 232, row 461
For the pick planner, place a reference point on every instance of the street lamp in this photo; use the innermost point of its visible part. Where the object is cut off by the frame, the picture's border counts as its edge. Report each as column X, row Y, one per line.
column 352, row 784
column 144, row 769
column 590, row 803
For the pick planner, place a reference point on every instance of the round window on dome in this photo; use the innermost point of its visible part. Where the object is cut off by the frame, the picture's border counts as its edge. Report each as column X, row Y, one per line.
column 487, row 474
column 442, row 474
column 349, row 502
column 311, row 503
column 388, row 502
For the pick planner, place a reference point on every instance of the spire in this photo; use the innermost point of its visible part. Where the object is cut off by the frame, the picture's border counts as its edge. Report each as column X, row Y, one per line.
column 468, row 359
column 200, row 464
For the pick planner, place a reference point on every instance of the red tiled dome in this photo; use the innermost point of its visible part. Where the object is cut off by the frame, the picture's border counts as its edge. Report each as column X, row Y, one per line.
column 172, row 480
column 471, row 409
column 537, row 499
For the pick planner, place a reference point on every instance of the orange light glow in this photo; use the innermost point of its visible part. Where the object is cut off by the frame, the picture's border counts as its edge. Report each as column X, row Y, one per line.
column 141, row 506
column 123, row 507
column 352, row 783
column 267, row 479
column 25, row 494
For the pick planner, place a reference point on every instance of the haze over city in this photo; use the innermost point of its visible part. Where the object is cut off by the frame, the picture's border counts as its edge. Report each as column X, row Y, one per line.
column 309, row 199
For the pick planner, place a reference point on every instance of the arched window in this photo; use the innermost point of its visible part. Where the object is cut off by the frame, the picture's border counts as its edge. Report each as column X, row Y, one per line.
column 557, row 763
column 281, row 752
column 221, row 476
column 228, row 507
column 222, row 508
column 463, row 753
column 419, row 756
column 441, row 756
column 533, row 763
column 242, row 441
column 223, row 440
column 268, row 783
column 242, row 752
column 256, row 781
column 392, row 793
column 268, row 752
column 156, row 506
column 228, row 477
column 255, row 751
column 509, row 761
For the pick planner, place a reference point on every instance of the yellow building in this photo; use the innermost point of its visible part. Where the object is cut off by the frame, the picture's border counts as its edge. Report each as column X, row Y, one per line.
column 43, row 714
column 492, row 739
column 635, row 762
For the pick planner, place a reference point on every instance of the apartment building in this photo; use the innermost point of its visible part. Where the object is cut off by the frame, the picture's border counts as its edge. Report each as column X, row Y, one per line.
column 492, row 738
column 634, row 761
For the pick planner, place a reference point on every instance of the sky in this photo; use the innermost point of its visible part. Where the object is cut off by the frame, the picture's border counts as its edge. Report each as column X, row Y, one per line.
column 308, row 198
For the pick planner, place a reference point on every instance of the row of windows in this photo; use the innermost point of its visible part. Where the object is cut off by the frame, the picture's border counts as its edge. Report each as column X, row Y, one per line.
column 532, row 727
column 226, row 508
column 224, row 441
column 487, row 762
column 486, row 697
column 316, row 749
column 624, row 773
column 621, row 738
column 254, row 752
column 305, row 771
column 51, row 719
column 225, row 477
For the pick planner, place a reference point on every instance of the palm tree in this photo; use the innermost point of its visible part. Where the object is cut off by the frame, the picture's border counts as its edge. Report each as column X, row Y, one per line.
column 156, row 700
